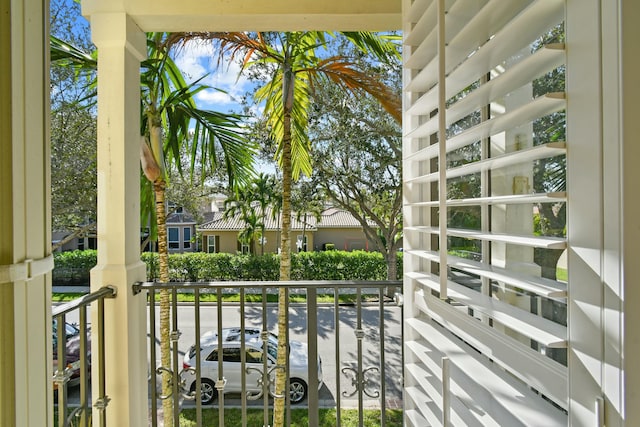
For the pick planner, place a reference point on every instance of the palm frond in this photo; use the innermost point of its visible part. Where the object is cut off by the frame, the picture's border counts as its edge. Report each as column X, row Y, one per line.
column 386, row 48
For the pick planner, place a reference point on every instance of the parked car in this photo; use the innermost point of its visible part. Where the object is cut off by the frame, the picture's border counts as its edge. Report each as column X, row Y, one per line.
column 232, row 366
column 72, row 353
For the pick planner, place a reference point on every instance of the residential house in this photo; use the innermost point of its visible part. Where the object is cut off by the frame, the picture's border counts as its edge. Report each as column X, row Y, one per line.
column 342, row 230
column 336, row 227
column 181, row 232
column 88, row 240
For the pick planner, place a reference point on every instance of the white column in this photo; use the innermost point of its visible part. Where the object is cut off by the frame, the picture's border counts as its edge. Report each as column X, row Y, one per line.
column 121, row 47
column 25, row 287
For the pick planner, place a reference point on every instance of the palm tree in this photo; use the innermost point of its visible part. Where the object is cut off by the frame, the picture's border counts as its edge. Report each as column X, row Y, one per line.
column 251, row 231
column 295, row 64
column 242, row 205
column 306, row 202
column 170, row 119
column 263, row 192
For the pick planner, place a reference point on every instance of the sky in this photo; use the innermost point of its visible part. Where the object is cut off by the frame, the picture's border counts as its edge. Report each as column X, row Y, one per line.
column 196, row 60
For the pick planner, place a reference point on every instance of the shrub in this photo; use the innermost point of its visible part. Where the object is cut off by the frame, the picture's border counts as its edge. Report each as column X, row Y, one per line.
column 73, row 267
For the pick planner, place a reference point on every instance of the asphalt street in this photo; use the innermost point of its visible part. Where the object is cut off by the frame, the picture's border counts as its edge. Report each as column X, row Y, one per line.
column 333, row 359
column 332, row 365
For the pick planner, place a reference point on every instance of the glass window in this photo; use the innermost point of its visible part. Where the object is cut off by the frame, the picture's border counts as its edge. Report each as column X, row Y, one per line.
column 245, row 249
column 211, row 244
column 174, row 237
column 254, row 356
column 213, row 356
column 231, row 354
column 272, row 348
column 186, row 235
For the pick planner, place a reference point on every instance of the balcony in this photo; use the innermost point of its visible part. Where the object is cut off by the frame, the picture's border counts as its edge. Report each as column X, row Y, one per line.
column 348, row 333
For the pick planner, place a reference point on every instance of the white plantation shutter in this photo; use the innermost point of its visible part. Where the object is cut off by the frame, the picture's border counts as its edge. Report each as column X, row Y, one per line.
column 472, row 138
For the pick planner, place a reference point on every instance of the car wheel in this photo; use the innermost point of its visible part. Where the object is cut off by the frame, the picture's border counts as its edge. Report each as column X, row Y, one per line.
column 297, row 390
column 208, row 392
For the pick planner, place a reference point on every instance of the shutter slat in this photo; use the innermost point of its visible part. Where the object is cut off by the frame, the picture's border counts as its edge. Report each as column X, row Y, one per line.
column 538, row 107
column 538, row 285
column 424, row 16
column 459, row 13
column 555, row 197
column 492, row 382
column 544, row 60
column 545, row 242
column 521, row 156
column 544, row 375
column 540, row 16
column 538, row 328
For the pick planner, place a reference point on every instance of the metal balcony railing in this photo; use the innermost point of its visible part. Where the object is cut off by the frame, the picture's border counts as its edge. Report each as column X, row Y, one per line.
column 345, row 348
column 72, row 356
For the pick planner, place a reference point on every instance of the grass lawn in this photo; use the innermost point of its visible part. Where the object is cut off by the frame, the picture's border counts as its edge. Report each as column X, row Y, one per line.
column 562, row 274
column 299, row 417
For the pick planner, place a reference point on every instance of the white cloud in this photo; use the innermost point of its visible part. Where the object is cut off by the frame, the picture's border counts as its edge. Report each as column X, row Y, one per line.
column 212, row 96
column 195, row 60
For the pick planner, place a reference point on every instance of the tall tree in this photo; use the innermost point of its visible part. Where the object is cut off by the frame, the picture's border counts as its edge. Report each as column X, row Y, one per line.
column 73, row 131
column 358, row 159
column 265, row 194
column 295, row 65
column 169, row 118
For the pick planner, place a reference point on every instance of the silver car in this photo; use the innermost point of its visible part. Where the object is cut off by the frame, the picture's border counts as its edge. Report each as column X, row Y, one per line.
column 232, row 365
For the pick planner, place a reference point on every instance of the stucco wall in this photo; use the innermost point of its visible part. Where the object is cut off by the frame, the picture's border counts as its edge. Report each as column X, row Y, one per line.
column 347, row 239
column 229, row 241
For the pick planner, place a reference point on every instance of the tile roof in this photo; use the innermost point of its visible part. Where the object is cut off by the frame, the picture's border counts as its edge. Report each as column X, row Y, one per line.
column 337, row 218
column 180, row 218
column 218, row 222
column 331, row 218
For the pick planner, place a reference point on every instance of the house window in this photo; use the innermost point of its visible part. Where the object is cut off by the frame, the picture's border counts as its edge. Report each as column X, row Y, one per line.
column 213, row 243
column 174, row 237
column 186, row 234
column 245, row 249
column 301, row 243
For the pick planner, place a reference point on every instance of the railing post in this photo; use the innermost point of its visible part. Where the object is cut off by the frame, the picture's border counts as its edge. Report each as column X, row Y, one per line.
column 312, row 345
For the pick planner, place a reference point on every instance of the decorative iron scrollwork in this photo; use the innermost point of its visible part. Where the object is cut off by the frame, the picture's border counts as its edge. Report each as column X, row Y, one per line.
column 261, row 381
column 159, row 371
column 187, row 394
column 360, row 380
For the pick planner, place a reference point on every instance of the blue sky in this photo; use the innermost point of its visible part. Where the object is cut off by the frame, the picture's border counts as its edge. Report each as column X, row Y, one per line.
column 196, row 60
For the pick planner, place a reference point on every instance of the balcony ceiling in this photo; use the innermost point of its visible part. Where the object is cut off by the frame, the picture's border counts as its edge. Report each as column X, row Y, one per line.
column 254, row 15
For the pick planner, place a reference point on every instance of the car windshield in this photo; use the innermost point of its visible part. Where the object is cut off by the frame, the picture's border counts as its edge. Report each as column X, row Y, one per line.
column 272, row 346
column 71, row 330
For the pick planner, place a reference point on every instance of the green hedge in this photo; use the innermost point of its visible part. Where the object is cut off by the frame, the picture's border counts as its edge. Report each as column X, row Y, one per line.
column 73, row 267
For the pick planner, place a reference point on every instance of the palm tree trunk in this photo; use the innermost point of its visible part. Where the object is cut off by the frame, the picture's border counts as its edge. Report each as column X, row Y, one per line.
column 165, row 301
column 285, row 273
